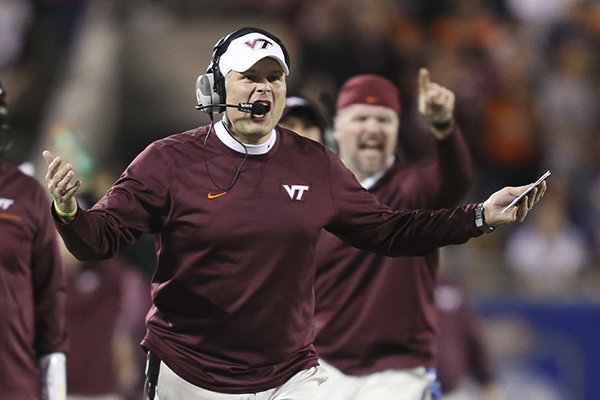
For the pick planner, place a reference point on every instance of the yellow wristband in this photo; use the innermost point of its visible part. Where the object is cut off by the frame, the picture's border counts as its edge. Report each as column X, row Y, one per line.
column 63, row 214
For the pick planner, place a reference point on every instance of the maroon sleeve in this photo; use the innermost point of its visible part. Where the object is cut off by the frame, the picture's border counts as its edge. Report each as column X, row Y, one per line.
column 48, row 284
column 363, row 222
column 455, row 168
column 443, row 179
column 137, row 203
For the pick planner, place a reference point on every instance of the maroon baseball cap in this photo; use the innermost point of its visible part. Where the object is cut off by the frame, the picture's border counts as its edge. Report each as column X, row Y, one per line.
column 368, row 89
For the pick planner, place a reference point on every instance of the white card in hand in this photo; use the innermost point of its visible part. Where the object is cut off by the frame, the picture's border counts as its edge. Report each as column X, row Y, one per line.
column 529, row 189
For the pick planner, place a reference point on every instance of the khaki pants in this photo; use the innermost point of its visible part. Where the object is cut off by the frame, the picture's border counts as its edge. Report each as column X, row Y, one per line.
column 302, row 386
column 405, row 384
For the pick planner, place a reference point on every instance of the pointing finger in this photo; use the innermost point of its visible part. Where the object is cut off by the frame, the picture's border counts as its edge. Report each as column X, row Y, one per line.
column 48, row 156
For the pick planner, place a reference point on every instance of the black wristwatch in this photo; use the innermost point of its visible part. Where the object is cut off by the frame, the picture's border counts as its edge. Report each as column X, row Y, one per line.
column 480, row 220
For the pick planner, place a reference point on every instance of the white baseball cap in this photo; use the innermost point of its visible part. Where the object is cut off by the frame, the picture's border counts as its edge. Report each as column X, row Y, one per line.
column 245, row 51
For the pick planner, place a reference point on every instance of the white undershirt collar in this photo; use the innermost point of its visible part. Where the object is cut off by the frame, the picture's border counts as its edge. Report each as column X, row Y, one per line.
column 369, row 182
column 253, row 149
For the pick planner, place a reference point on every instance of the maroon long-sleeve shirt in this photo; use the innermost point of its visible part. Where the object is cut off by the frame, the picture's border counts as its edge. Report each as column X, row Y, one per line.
column 376, row 312
column 32, row 291
column 233, row 292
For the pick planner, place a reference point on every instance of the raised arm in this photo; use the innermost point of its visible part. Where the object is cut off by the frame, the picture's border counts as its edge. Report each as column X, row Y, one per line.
column 450, row 176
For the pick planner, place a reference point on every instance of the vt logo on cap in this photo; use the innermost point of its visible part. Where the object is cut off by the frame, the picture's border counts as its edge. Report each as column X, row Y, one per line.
column 245, row 51
column 252, row 43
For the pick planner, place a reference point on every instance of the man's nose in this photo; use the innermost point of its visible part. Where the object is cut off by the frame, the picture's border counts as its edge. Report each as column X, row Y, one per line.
column 263, row 85
column 372, row 126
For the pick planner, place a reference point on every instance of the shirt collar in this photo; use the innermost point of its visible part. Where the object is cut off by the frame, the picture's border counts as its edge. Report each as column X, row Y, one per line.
column 369, row 182
column 252, row 149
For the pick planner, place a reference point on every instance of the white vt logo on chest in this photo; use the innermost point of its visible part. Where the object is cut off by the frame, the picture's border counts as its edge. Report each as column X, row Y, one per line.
column 295, row 191
column 5, row 203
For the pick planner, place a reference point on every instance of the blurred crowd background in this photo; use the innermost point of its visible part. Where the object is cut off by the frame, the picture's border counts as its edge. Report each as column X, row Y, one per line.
column 97, row 80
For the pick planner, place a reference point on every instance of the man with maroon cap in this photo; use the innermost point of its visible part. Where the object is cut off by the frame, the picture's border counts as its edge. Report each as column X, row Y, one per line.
column 376, row 319
column 33, row 337
column 238, row 206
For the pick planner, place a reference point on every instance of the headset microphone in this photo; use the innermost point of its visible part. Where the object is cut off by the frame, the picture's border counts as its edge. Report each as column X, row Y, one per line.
column 250, row 108
column 254, row 108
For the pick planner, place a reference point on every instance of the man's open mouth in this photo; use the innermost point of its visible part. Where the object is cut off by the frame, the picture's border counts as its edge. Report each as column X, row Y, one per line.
column 263, row 110
column 371, row 144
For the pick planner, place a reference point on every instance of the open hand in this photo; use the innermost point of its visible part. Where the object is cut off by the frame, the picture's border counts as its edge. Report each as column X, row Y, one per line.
column 59, row 178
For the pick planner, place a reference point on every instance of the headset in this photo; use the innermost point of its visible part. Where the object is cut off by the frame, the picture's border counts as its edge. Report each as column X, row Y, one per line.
column 210, row 87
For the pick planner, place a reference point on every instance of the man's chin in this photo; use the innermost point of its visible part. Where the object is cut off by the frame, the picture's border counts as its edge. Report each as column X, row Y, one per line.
column 263, row 123
column 258, row 127
column 371, row 165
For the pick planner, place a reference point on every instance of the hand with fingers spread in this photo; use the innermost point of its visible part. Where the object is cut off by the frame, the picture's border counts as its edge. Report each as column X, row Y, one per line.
column 59, row 179
column 493, row 206
column 436, row 105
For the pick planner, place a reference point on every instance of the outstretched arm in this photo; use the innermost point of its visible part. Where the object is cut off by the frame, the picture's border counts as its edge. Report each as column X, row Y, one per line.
column 361, row 221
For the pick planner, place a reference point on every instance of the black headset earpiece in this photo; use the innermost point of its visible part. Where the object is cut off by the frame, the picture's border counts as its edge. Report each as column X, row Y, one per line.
column 210, row 87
